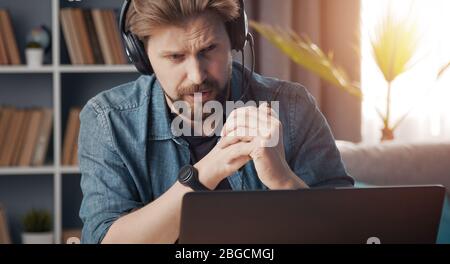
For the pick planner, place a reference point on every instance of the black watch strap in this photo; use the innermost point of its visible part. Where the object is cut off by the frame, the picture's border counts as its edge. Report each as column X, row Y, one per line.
column 188, row 176
column 198, row 186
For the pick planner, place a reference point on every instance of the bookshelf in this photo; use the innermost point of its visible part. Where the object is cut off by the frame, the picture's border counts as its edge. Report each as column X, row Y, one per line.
column 57, row 85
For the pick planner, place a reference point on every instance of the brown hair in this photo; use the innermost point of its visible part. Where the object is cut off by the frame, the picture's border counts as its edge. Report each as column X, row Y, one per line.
column 145, row 15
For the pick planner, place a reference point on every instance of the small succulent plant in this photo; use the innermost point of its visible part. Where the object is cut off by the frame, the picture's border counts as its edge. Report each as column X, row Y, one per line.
column 33, row 45
column 37, row 221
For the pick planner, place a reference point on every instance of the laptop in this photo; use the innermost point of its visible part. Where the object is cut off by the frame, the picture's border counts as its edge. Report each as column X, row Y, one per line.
column 401, row 214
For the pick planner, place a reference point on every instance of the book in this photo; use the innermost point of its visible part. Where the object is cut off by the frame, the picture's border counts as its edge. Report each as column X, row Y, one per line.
column 3, row 55
column 102, row 36
column 70, row 134
column 10, row 139
column 122, row 58
column 21, row 138
column 43, row 139
column 82, row 34
column 31, row 138
column 5, row 237
column 75, row 37
column 68, row 36
column 93, row 37
column 108, row 30
column 74, row 159
column 108, row 34
column 4, row 125
column 9, row 38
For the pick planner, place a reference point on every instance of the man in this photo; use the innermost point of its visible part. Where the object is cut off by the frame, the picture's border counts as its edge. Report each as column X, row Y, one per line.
column 131, row 159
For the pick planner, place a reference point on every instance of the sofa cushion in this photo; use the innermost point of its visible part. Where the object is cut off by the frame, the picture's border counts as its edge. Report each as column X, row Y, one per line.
column 398, row 163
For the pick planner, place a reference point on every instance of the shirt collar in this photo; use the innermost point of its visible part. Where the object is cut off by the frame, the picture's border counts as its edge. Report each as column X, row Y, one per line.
column 159, row 120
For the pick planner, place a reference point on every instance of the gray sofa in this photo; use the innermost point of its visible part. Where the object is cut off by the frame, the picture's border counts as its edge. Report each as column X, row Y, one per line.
column 401, row 164
column 398, row 163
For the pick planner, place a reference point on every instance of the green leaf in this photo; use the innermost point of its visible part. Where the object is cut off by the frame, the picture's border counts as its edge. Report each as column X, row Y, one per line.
column 37, row 221
column 394, row 46
column 305, row 53
column 443, row 69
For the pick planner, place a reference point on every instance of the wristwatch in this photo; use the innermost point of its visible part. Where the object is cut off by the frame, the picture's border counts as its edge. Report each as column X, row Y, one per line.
column 188, row 176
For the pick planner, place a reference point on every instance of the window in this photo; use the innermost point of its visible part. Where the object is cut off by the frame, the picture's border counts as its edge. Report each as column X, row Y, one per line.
column 417, row 90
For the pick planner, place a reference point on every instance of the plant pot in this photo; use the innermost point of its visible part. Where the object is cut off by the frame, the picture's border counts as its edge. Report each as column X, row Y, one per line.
column 35, row 57
column 387, row 134
column 37, row 238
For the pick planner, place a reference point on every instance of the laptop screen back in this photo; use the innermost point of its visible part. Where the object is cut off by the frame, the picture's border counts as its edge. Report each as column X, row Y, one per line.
column 348, row 215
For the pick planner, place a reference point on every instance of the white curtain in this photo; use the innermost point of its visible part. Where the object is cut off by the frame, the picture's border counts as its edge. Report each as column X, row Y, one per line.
column 417, row 91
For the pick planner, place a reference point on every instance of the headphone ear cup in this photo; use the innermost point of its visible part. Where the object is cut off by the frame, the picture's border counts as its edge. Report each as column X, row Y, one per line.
column 238, row 29
column 136, row 53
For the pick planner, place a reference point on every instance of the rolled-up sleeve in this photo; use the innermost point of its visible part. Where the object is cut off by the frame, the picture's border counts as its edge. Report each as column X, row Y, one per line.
column 316, row 158
column 108, row 190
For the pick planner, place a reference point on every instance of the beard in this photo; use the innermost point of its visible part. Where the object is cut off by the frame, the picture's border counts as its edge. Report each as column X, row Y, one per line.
column 209, row 85
column 195, row 96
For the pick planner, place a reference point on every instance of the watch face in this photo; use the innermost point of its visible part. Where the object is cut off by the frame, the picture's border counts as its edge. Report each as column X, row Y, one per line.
column 185, row 173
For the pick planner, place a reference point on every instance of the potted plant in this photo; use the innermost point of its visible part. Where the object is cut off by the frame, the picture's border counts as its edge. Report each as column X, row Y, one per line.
column 34, row 54
column 38, row 46
column 394, row 47
column 37, row 225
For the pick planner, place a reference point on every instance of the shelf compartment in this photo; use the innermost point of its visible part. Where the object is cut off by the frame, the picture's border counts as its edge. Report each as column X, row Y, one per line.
column 97, row 68
column 19, row 195
column 25, row 69
column 70, row 170
column 27, row 170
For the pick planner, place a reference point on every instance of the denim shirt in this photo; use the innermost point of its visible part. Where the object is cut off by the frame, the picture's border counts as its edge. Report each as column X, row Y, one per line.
column 129, row 157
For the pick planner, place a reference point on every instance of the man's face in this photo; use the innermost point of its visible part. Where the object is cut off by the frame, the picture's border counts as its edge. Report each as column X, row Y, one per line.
column 194, row 57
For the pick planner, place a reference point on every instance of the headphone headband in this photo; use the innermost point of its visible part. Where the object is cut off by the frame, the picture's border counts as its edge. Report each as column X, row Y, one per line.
column 237, row 31
column 123, row 15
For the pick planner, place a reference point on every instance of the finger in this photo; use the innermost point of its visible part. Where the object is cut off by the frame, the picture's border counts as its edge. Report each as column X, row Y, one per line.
column 237, row 163
column 259, row 136
column 250, row 111
column 242, row 111
column 268, row 109
column 267, row 126
column 243, row 132
column 241, row 116
column 263, row 129
column 272, row 110
column 268, row 122
column 265, row 136
column 240, row 149
column 263, row 106
column 264, row 112
column 250, row 121
column 230, row 140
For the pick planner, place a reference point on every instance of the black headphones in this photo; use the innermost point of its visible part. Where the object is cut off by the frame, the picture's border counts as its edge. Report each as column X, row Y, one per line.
column 237, row 31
